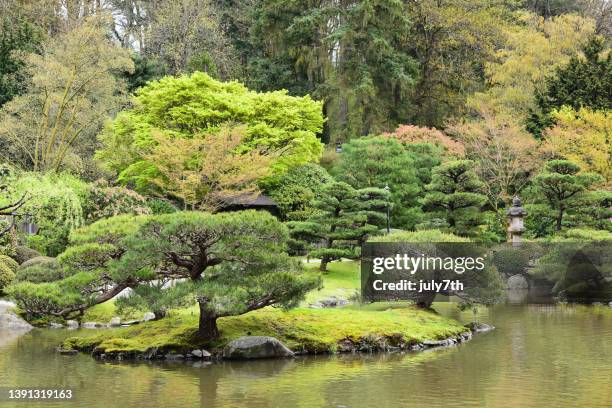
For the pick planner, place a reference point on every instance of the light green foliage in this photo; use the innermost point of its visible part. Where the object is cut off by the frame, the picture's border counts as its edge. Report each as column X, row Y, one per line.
column 532, row 50
column 40, row 269
column 343, row 219
column 7, row 275
column 583, row 235
column 419, row 236
column 583, row 137
column 10, row 262
column 8, row 267
column 48, row 298
column 455, row 194
column 559, row 185
column 54, row 205
column 312, row 330
column 8, row 240
column 376, row 162
column 188, row 36
column 188, row 105
column 295, row 190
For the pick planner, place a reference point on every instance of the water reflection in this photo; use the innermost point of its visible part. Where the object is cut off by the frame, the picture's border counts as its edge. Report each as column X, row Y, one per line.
column 545, row 356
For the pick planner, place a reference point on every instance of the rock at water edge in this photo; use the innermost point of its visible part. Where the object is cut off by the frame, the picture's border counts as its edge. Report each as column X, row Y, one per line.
column 252, row 347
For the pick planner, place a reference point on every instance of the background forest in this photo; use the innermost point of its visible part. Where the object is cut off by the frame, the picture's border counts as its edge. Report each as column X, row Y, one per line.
column 115, row 115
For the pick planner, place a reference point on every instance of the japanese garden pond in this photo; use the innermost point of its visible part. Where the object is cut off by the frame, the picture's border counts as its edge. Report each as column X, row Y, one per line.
column 538, row 356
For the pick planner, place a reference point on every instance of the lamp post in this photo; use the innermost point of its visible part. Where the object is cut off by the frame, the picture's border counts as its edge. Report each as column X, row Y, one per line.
column 387, row 189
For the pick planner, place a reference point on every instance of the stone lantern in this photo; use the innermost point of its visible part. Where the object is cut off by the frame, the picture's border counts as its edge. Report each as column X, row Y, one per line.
column 515, row 214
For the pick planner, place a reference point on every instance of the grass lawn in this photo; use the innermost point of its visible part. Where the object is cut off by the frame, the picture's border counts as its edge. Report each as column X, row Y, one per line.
column 302, row 328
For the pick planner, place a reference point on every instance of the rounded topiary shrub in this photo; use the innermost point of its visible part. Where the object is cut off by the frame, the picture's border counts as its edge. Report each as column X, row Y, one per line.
column 6, row 276
column 40, row 269
column 10, row 262
column 23, row 254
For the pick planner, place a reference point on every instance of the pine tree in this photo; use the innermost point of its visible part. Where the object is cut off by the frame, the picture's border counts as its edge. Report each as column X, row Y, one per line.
column 561, row 184
column 455, row 193
column 343, row 219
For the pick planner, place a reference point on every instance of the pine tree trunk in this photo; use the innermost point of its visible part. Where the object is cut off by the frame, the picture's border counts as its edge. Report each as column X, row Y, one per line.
column 426, row 299
column 560, row 220
column 207, row 328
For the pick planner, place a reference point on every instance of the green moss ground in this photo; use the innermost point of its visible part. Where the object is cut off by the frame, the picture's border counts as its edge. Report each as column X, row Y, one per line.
column 304, row 329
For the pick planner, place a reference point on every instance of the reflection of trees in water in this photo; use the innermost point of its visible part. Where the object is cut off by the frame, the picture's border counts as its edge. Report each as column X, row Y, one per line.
column 537, row 356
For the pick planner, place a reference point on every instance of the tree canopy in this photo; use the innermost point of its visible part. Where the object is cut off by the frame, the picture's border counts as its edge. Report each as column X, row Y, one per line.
column 189, row 107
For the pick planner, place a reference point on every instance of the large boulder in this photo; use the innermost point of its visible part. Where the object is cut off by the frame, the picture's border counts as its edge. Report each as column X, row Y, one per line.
column 251, row 347
column 9, row 321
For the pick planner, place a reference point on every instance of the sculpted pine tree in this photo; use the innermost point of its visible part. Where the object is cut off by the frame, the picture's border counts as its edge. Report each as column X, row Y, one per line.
column 455, row 191
column 561, row 183
column 373, row 162
column 96, row 267
column 232, row 263
column 342, row 220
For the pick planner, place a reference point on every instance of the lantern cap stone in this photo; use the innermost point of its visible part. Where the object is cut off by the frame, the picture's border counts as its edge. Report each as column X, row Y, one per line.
column 516, row 210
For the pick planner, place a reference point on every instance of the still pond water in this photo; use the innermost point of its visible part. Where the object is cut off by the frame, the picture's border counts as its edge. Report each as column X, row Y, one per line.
column 539, row 356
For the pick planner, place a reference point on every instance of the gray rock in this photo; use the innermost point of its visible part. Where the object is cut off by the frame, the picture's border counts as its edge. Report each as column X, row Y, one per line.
column 476, row 327
column 148, row 316
column 465, row 336
column 203, row 354
column 251, row 347
column 610, row 304
column 130, row 323
column 5, row 305
column 438, row 343
column 171, row 356
column 92, row 325
column 115, row 321
column 10, row 321
column 54, row 325
column 66, row 352
column 517, row 282
column 72, row 324
column 150, row 353
column 333, row 301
